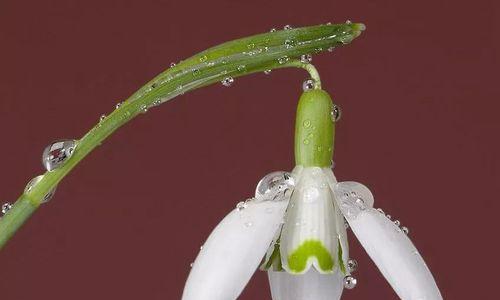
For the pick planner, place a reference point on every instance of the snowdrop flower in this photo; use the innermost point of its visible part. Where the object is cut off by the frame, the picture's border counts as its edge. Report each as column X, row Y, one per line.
column 295, row 229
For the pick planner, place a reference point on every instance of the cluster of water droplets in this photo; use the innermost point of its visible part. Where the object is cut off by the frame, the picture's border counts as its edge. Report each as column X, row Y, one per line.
column 401, row 228
column 350, row 281
column 353, row 198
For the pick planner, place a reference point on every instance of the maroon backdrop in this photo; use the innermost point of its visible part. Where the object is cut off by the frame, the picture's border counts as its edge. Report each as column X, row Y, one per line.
column 419, row 92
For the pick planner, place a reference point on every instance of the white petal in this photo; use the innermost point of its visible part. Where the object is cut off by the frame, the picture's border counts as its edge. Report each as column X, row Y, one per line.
column 394, row 254
column 309, row 286
column 233, row 251
column 310, row 236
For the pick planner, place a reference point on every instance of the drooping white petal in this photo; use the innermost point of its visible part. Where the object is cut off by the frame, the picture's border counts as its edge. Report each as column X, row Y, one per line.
column 233, row 251
column 393, row 253
column 309, row 286
column 310, row 235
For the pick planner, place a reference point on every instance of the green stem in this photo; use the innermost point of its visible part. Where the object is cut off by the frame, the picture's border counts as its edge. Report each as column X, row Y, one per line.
column 232, row 59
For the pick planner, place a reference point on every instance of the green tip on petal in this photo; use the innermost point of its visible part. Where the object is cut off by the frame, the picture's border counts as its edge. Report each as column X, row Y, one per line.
column 297, row 261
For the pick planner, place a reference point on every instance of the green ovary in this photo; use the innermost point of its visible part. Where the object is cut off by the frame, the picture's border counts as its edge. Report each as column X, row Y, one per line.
column 297, row 261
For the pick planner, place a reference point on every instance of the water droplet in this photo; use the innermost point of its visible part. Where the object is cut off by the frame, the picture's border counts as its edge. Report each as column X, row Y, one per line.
column 273, row 185
column 201, row 247
column 346, row 224
column 336, row 113
column 348, row 22
column 350, row 282
column 251, row 46
column 397, row 223
column 228, row 81
column 308, row 85
column 388, row 217
column 102, row 118
column 306, row 58
column 380, row 211
column 306, row 142
column 289, row 43
column 196, row 72
column 117, row 106
column 405, row 229
column 331, row 49
column 352, row 265
column 267, row 72
column 241, row 206
column 241, row 68
column 154, row 85
column 248, row 224
column 191, row 265
column 306, row 123
column 272, row 30
column 57, row 153
column 287, row 27
column 283, row 60
column 203, row 58
column 172, row 64
column 6, row 207
column 144, row 108
column 33, row 182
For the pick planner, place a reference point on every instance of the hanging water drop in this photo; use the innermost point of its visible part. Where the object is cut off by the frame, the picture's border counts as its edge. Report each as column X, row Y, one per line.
column 336, row 113
column 267, row 72
column 196, row 72
column 350, row 282
column 117, row 106
column 273, row 185
column 6, row 207
column 33, row 182
column 172, row 64
column 228, row 81
column 306, row 58
column 101, row 119
column 272, row 30
column 287, row 27
column 57, row 153
column 144, row 108
column 397, row 223
column 308, row 85
column 405, row 229
column 352, row 265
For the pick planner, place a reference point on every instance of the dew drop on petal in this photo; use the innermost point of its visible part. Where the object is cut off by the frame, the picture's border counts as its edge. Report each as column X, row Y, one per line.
column 117, row 106
column 308, row 85
column 352, row 265
column 33, row 182
column 380, row 211
column 336, row 113
column 350, row 282
column 228, row 81
column 274, row 184
column 57, row 153
column 397, row 223
column 6, row 207
column 241, row 206
column 388, row 217
column 405, row 229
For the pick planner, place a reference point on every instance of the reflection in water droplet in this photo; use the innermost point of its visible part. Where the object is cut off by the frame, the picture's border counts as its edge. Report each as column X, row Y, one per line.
column 350, row 282
column 6, row 207
column 306, row 58
column 287, row 27
column 57, row 153
column 274, row 185
column 228, row 81
column 308, row 85
column 352, row 265
column 336, row 113
column 33, row 182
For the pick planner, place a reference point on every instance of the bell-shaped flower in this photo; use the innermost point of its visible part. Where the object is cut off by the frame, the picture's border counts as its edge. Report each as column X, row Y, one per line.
column 295, row 229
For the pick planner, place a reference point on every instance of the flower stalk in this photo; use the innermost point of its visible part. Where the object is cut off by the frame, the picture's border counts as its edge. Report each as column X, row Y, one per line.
column 224, row 62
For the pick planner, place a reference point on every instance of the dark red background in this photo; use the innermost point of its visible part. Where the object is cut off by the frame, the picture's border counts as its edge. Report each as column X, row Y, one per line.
column 419, row 92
